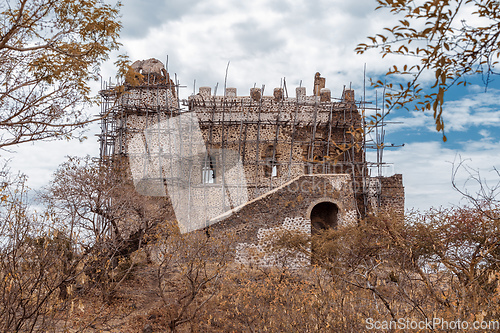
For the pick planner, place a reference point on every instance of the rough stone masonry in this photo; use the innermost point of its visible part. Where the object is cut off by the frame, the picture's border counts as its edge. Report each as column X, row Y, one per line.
column 250, row 164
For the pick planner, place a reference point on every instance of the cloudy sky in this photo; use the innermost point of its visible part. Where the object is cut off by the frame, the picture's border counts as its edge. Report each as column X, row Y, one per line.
column 268, row 40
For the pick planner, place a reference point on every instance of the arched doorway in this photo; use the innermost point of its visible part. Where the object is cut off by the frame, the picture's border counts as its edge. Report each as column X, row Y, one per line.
column 324, row 215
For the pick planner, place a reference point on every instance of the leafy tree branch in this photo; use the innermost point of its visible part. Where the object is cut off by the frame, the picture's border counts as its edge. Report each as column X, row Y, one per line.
column 443, row 43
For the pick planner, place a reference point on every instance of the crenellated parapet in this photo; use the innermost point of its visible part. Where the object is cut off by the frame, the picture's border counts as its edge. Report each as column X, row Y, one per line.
column 300, row 110
column 204, row 97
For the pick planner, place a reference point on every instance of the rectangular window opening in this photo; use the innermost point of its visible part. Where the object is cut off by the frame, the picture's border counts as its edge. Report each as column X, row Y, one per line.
column 208, row 171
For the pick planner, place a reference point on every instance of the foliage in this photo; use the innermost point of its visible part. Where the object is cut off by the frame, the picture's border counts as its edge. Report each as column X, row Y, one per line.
column 464, row 245
column 442, row 262
column 190, row 269
column 73, row 265
column 37, row 264
column 98, row 199
column 83, row 242
column 449, row 39
column 98, row 204
column 126, row 74
column 49, row 50
column 279, row 300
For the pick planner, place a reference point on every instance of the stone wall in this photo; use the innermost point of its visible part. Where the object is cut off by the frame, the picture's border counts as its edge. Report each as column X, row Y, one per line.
column 278, row 137
column 291, row 200
column 392, row 195
column 275, row 160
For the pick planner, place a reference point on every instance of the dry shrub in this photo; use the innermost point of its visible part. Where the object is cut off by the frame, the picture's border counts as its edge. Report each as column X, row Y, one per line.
column 440, row 264
column 37, row 263
column 274, row 300
column 443, row 263
column 189, row 273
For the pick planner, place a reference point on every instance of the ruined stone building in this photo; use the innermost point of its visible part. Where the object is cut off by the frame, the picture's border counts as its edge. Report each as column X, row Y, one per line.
column 251, row 163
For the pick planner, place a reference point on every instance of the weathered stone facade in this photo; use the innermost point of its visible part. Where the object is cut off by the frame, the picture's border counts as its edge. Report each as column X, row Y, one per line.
column 251, row 164
column 293, row 136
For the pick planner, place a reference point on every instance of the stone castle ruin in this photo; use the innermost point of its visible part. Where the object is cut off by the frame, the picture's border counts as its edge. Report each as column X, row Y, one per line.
column 253, row 164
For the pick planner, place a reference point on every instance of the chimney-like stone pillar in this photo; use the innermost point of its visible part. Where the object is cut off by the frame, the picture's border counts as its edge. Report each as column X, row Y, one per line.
column 205, row 92
column 349, row 96
column 255, row 94
column 319, row 83
column 278, row 94
column 325, row 95
column 230, row 92
column 300, row 93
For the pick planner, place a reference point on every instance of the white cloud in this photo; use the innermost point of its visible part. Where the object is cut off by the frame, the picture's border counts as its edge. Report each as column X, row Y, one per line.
column 39, row 161
column 427, row 169
column 266, row 40
column 479, row 109
column 474, row 108
column 485, row 134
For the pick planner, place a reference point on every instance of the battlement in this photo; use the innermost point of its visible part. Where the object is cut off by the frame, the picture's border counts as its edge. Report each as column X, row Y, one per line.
column 204, row 96
column 301, row 110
